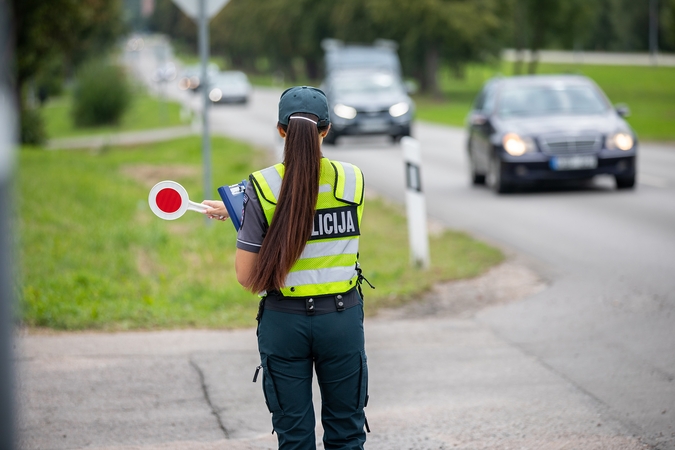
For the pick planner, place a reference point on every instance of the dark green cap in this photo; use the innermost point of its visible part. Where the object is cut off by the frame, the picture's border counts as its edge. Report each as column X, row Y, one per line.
column 304, row 99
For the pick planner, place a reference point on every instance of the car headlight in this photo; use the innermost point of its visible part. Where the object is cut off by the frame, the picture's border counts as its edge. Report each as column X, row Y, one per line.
column 344, row 111
column 184, row 84
column 621, row 141
column 516, row 146
column 399, row 109
column 215, row 94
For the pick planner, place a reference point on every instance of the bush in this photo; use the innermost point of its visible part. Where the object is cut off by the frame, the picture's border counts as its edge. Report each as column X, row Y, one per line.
column 32, row 127
column 102, row 94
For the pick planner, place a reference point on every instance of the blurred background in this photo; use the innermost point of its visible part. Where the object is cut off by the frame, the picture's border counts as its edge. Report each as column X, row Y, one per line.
column 447, row 48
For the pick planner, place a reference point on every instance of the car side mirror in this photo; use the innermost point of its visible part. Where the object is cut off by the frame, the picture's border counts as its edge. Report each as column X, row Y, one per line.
column 478, row 119
column 622, row 110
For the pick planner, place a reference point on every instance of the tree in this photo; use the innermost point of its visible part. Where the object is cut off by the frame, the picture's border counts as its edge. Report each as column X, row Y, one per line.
column 283, row 31
column 668, row 26
column 66, row 30
column 434, row 31
column 168, row 19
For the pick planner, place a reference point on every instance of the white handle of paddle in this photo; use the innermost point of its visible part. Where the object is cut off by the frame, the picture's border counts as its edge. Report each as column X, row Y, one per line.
column 199, row 207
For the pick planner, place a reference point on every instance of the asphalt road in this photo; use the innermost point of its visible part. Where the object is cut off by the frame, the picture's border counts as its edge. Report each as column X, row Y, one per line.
column 587, row 363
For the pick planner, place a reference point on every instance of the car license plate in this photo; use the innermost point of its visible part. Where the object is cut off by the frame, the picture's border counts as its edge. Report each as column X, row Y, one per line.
column 574, row 162
column 373, row 125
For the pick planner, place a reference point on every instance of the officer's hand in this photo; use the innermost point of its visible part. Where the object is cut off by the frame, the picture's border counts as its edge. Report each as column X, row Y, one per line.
column 216, row 210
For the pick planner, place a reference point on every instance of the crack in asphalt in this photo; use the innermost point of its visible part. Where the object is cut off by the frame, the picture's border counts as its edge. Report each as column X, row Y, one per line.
column 205, row 390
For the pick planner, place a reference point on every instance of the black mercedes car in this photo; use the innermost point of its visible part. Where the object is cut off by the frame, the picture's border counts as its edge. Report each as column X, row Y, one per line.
column 525, row 129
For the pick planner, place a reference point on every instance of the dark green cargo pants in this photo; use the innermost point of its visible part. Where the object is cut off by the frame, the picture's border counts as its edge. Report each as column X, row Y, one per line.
column 290, row 345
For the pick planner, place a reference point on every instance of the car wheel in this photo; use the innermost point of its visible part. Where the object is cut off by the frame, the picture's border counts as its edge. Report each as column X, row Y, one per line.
column 397, row 137
column 494, row 177
column 476, row 178
column 625, row 182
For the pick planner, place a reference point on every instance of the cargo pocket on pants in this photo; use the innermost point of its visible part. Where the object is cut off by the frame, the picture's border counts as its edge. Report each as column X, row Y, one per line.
column 269, row 389
column 363, row 382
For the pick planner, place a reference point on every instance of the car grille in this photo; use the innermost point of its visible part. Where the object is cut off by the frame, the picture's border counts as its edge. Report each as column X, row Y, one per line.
column 567, row 145
column 371, row 113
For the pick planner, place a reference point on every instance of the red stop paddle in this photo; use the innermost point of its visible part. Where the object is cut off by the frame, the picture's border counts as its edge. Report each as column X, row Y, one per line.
column 169, row 200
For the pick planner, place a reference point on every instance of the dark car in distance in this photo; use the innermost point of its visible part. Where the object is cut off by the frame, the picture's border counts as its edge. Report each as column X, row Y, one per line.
column 525, row 129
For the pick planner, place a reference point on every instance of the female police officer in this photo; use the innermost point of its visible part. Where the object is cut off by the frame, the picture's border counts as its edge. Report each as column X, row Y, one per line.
column 298, row 245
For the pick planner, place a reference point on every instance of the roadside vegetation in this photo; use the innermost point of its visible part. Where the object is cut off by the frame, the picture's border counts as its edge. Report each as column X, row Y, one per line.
column 648, row 91
column 97, row 258
column 144, row 112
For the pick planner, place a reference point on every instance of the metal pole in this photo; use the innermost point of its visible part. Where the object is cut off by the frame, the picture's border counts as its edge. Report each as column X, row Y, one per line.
column 205, row 83
column 653, row 30
column 7, row 142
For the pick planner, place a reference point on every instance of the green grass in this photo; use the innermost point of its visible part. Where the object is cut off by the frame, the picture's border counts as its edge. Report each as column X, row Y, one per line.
column 93, row 256
column 648, row 91
column 146, row 112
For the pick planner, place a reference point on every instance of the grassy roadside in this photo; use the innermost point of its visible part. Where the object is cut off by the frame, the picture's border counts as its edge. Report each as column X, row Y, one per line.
column 145, row 112
column 94, row 257
column 648, row 91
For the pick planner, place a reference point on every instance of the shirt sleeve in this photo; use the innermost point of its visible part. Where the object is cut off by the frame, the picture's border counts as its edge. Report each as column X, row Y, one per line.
column 253, row 225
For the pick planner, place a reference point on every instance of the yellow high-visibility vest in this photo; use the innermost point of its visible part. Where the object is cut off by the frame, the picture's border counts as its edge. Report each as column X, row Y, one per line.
column 328, row 262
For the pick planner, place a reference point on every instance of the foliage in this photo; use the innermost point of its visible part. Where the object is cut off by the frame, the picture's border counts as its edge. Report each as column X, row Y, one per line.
column 430, row 33
column 97, row 258
column 32, row 127
column 450, row 32
column 607, row 25
column 65, row 30
column 101, row 95
column 145, row 112
column 169, row 19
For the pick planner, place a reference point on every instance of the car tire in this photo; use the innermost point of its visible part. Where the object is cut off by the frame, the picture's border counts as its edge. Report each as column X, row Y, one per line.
column 494, row 178
column 625, row 182
column 476, row 178
column 397, row 137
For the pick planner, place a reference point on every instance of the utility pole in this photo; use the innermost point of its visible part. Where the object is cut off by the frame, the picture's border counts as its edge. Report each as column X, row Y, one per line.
column 201, row 11
column 205, row 85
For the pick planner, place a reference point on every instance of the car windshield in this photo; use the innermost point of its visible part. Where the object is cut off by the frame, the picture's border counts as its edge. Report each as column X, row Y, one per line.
column 381, row 83
column 549, row 100
column 232, row 77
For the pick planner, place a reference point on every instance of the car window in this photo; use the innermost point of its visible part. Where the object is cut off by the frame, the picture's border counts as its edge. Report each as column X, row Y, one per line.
column 490, row 97
column 378, row 83
column 480, row 101
column 547, row 100
column 232, row 77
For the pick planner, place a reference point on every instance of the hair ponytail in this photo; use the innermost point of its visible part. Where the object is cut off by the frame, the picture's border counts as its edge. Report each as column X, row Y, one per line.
column 293, row 217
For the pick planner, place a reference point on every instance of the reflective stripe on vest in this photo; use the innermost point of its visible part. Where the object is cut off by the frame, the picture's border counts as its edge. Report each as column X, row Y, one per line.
column 327, row 264
column 348, row 182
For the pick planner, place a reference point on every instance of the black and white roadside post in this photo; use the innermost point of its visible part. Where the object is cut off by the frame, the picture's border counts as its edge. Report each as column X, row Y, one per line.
column 8, row 136
column 201, row 11
column 416, row 209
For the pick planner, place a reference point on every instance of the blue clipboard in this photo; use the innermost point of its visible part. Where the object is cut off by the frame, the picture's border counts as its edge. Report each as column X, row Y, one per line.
column 233, row 197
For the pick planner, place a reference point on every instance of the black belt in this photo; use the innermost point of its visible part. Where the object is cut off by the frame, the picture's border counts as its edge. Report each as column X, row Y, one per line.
column 314, row 305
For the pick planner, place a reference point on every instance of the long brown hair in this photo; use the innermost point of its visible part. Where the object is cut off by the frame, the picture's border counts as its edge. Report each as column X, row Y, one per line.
column 293, row 217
